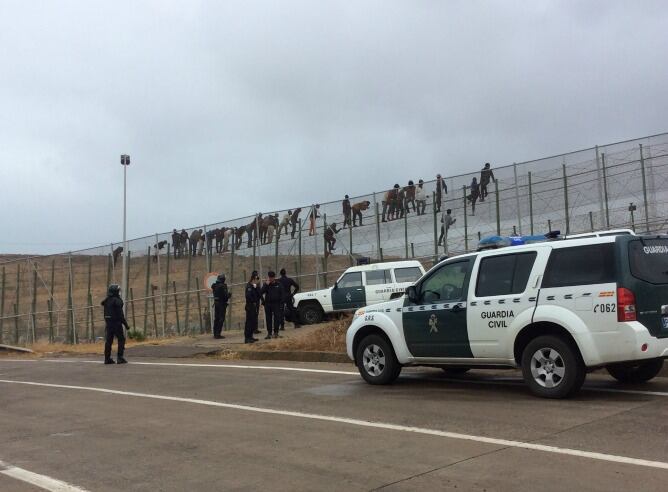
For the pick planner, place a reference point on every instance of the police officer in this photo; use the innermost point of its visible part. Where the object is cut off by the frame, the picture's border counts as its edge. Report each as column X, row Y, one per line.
column 114, row 320
column 274, row 300
column 221, row 297
column 252, row 306
column 288, row 306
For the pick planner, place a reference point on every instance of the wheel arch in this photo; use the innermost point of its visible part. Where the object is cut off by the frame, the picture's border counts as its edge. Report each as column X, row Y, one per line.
column 365, row 331
column 538, row 329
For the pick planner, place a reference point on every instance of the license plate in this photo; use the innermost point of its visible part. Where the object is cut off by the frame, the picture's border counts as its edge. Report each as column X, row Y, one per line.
column 664, row 323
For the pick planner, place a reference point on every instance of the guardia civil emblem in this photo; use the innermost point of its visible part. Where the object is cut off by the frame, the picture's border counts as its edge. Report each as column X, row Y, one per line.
column 433, row 324
column 349, row 297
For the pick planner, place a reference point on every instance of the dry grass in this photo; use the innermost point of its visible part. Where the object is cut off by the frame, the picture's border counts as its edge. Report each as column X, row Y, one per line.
column 43, row 348
column 329, row 337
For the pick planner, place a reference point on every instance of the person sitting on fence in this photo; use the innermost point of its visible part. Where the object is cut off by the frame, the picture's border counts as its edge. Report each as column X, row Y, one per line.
column 183, row 247
column 474, row 195
column 358, row 208
column 446, row 221
column 117, row 254
column 486, row 175
column 389, row 203
column 312, row 218
column 330, row 238
column 441, row 189
column 409, row 196
column 156, row 249
column 176, row 241
column 227, row 234
column 200, row 243
column 345, row 205
column 294, row 220
column 421, row 197
column 285, row 222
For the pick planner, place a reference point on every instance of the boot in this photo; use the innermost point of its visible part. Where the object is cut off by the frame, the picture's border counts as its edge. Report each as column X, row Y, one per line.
column 121, row 360
column 109, row 361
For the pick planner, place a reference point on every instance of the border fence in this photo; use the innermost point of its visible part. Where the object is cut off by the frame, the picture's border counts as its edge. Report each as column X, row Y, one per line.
column 57, row 297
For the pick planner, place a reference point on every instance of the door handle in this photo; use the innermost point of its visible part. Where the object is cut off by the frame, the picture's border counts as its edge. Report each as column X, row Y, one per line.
column 358, row 289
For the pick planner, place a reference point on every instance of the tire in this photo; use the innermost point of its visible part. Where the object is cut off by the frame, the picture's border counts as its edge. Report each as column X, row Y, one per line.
column 552, row 368
column 376, row 360
column 455, row 370
column 636, row 372
column 310, row 313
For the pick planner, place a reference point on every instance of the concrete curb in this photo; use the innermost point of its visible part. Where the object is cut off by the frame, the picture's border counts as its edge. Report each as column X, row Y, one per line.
column 290, row 355
column 10, row 348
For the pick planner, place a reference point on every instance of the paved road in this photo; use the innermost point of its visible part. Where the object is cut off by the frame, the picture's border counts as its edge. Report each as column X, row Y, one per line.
column 193, row 425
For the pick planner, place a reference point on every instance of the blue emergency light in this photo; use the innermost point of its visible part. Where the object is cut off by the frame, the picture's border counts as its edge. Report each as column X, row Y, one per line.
column 495, row 242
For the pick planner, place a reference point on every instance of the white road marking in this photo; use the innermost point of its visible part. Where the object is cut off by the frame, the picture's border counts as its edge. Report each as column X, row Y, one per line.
column 417, row 376
column 41, row 481
column 365, row 423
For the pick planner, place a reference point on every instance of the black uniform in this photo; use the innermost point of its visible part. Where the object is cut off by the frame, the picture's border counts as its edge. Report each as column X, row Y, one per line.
column 274, row 300
column 288, row 306
column 252, row 306
column 114, row 320
column 221, row 296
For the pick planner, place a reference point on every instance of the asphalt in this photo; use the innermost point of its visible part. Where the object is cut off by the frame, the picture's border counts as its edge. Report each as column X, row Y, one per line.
column 276, row 437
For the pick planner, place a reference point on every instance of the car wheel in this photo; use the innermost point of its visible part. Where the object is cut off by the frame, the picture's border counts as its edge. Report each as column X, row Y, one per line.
column 311, row 314
column 552, row 368
column 638, row 372
column 376, row 360
column 454, row 370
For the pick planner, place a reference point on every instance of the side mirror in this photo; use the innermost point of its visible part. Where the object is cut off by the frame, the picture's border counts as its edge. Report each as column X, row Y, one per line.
column 336, row 285
column 411, row 293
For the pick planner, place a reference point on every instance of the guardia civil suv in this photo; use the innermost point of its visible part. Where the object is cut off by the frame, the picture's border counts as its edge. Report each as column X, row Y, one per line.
column 556, row 309
column 358, row 286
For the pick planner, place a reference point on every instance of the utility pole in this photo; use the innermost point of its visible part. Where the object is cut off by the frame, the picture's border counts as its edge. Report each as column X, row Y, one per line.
column 125, row 162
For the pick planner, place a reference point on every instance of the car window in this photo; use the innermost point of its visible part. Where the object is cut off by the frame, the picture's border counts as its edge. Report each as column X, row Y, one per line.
column 409, row 274
column 378, row 277
column 445, row 284
column 352, row 279
column 505, row 274
column 580, row 265
column 648, row 259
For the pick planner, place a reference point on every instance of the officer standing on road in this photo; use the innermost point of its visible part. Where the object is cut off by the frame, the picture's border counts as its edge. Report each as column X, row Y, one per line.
column 274, row 299
column 288, row 306
column 221, row 297
column 252, row 306
column 114, row 320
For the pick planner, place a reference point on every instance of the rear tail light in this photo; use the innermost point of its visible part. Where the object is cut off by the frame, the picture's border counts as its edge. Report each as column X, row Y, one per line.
column 626, row 305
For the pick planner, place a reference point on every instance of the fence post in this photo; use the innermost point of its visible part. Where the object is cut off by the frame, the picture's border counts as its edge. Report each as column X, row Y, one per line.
column 155, row 315
column 276, row 251
column 146, row 286
column 132, row 308
column 17, row 304
column 49, row 305
column 325, row 251
column 435, row 213
column 186, row 326
column 89, row 310
column 33, row 307
column 375, row 204
column 466, row 222
column 229, row 309
column 406, row 230
column 299, row 248
column 199, row 307
column 605, row 192
column 566, row 214
column 2, row 305
column 70, row 332
column 176, row 308
column 498, row 212
column 92, row 317
column 549, row 225
column 75, row 336
column 165, row 293
column 591, row 221
column 109, row 268
column 350, row 240
column 412, row 251
column 162, row 307
column 530, row 204
column 517, row 199
column 644, row 189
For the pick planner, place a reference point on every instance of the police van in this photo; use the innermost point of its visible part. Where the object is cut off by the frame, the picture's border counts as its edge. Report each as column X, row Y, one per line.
column 555, row 309
column 358, row 286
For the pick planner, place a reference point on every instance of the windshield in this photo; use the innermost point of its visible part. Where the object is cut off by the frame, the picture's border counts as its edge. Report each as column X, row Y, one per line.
column 649, row 260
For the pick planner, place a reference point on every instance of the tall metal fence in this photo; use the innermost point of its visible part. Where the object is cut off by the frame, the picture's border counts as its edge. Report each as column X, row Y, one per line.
column 57, row 297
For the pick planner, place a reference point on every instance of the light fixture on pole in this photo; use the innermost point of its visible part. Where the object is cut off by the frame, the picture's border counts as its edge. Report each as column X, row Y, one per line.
column 633, row 208
column 125, row 162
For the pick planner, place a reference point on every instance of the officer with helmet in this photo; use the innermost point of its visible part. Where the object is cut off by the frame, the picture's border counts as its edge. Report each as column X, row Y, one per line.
column 221, row 297
column 114, row 320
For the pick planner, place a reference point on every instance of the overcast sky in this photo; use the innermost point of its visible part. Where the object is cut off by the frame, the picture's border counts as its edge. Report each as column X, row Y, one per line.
column 228, row 108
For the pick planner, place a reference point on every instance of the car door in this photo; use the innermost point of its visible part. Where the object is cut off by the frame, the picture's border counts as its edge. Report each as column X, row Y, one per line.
column 348, row 292
column 505, row 290
column 378, row 286
column 435, row 324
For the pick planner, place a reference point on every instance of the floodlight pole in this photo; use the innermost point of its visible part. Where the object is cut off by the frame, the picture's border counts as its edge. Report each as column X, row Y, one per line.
column 125, row 162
